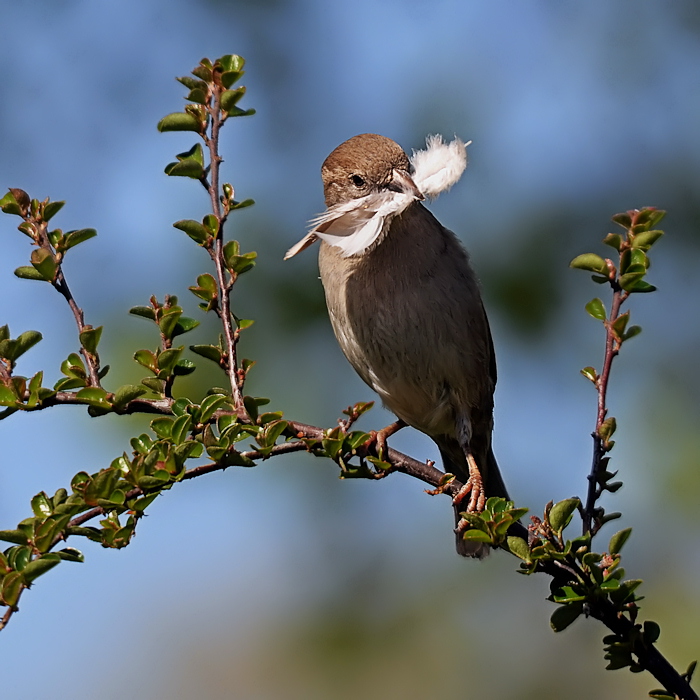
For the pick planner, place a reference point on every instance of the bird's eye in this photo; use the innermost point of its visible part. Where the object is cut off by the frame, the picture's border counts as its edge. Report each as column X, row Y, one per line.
column 357, row 181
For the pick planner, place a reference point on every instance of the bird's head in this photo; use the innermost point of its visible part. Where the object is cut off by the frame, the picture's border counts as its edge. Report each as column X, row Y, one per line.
column 369, row 179
column 364, row 165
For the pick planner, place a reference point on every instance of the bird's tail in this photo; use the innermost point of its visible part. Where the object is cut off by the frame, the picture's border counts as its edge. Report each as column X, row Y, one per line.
column 454, row 461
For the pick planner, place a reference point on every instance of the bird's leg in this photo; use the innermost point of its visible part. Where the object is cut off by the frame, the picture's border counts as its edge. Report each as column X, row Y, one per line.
column 473, row 487
column 380, row 437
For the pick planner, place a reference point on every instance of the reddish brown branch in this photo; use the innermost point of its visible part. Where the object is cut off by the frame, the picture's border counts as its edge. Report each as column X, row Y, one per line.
column 91, row 361
column 224, row 307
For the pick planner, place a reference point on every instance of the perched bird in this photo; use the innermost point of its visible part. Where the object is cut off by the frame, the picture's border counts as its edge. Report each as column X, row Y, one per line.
column 405, row 304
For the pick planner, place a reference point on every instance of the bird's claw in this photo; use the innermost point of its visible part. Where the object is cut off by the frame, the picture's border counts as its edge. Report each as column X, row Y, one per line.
column 378, row 439
column 474, row 488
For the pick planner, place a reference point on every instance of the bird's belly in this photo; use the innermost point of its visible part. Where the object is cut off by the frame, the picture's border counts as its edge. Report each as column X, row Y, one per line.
column 407, row 372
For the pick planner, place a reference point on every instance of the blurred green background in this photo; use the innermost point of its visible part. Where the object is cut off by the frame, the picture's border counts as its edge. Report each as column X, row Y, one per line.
column 283, row 581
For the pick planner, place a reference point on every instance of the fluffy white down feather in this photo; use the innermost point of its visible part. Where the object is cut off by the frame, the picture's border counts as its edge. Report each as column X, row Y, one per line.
column 355, row 225
column 439, row 165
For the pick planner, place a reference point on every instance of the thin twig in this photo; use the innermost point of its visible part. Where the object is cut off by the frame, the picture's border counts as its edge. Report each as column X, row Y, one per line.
column 612, row 349
column 92, row 362
column 217, row 255
column 6, row 617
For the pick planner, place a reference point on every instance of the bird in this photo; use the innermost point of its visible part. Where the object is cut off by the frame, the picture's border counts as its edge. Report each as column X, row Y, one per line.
column 405, row 304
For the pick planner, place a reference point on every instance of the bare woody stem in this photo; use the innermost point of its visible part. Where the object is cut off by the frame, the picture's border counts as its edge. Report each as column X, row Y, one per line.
column 225, row 284
column 91, row 361
column 612, row 349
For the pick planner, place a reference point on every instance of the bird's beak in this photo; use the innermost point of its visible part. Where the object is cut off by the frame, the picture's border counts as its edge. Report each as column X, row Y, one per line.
column 402, row 182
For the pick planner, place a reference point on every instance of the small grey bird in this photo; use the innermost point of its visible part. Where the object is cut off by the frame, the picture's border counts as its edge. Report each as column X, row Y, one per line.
column 405, row 304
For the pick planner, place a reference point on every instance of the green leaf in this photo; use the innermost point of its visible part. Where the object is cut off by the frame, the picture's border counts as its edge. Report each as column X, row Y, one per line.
column 44, row 263
column 198, row 95
column 630, row 279
column 184, row 325
column 179, row 121
column 208, row 283
column 209, row 406
column 648, row 216
column 90, row 338
column 211, row 352
column 195, row 153
column 623, row 219
column 477, row 536
column 74, row 238
column 236, row 112
column 607, row 428
column 181, row 428
column 230, row 98
column 235, row 262
column 179, row 408
column 94, row 396
column 146, row 359
column 568, row 594
column 596, row 309
column 641, row 287
column 41, row 505
column 614, row 240
column 652, row 631
column 646, row 239
column 272, row 432
column 140, row 504
column 9, row 204
column 590, row 262
column 7, row 396
column 242, row 205
column 231, row 62
column 631, row 332
column 621, row 323
column 14, row 536
column 185, row 168
column 167, row 360
column 127, row 393
column 184, row 367
column 162, row 427
column 18, row 557
column 564, row 615
column 211, row 224
column 11, row 587
column 29, row 273
column 154, row 384
column 51, row 209
column 194, row 230
column 518, row 546
column 26, row 340
column 561, row 513
column 590, row 373
column 192, row 83
column 203, row 71
column 71, row 554
column 169, row 321
column 617, row 541
column 40, row 566
column 143, row 311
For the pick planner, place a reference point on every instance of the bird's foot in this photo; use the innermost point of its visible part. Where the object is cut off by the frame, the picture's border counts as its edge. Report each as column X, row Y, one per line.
column 474, row 488
column 378, row 438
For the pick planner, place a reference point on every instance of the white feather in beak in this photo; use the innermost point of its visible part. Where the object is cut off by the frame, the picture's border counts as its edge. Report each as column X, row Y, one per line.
column 355, row 225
